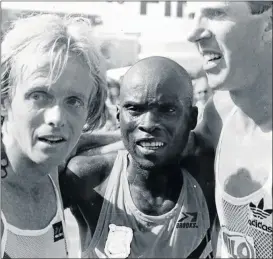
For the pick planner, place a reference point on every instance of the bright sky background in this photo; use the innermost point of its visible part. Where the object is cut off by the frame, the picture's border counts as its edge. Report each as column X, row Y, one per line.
column 118, row 17
column 160, row 35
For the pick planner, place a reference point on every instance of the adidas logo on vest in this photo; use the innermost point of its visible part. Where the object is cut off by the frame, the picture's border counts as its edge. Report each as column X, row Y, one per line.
column 259, row 215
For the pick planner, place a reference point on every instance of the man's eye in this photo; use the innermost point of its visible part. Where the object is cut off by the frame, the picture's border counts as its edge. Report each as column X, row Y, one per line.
column 39, row 96
column 191, row 16
column 218, row 13
column 215, row 13
column 134, row 109
column 75, row 102
column 167, row 109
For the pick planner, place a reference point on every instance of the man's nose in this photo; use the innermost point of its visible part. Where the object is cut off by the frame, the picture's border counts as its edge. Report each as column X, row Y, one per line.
column 198, row 32
column 55, row 116
column 149, row 122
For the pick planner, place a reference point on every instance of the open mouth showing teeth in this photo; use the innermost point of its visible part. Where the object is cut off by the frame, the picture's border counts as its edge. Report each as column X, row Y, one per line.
column 212, row 57
column 151, row 145
column 52, row 140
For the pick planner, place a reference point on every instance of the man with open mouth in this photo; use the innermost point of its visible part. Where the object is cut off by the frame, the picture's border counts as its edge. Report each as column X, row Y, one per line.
column 235, row 39
column 143, row 202
column 52, row 83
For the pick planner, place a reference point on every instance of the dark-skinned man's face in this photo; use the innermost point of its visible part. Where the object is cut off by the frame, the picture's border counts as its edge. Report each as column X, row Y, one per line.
column 155, row 116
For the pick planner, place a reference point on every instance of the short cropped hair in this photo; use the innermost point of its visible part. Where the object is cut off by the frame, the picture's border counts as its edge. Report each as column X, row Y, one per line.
column 259, row 7
column 59, row 37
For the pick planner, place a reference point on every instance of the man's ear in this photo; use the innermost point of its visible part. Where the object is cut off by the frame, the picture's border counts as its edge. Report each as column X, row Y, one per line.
column 118, row 112
column 5, row 104
column 193, row 117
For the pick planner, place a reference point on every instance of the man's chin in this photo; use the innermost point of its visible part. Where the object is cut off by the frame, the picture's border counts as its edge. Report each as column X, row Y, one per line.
column 219, row 81
column 149, row 164
column 215, row 84
column 47, row 160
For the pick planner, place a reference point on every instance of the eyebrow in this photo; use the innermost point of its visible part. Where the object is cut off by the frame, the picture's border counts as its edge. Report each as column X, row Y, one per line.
column 37, row 87
column 160, row 103
column 168, row 103
column 127, row 103
column 216, row 8
column 220, row 7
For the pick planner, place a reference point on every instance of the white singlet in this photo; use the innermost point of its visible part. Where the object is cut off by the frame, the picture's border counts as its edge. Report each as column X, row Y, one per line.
column 49, row 242
column 123, row 231
column 245, row 220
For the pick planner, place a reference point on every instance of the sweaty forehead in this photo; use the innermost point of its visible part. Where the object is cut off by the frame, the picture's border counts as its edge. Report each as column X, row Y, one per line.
column 39, row 65
column 155, row 77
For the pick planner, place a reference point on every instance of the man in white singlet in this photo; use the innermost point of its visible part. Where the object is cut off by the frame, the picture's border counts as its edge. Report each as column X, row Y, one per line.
column 235, row 39
column 144, row 201
column 52, row 83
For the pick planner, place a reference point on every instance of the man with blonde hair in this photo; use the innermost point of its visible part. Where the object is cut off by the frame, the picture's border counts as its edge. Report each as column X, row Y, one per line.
column 52, row 84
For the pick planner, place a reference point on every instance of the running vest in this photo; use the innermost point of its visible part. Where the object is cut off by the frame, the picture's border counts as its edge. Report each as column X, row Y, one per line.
column 246, row 222
column 49, row 242
column 125, row 232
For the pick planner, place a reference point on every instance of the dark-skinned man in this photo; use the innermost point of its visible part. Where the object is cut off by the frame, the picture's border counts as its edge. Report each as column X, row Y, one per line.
column 144, row 201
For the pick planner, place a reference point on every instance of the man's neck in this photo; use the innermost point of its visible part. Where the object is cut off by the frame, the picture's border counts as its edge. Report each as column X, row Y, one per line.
column 20, row 169
column 256, row 100
column 155, row 191
column 156, row 180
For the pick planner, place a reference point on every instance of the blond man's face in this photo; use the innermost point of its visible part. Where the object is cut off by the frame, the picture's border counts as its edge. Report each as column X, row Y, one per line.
column 46, row 121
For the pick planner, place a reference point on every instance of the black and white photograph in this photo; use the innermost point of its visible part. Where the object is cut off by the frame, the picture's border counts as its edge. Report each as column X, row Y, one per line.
column 136, row 129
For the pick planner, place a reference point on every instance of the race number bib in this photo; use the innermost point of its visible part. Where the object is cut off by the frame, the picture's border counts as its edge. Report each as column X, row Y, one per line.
column 118, row 241
column 236, row 245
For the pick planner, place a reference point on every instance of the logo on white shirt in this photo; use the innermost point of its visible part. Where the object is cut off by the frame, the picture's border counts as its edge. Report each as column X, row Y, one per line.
column 189, row 220
column 259, row 217
column 58, row 231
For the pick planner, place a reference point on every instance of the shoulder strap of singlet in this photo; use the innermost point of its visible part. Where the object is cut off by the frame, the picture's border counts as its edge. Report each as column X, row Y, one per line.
column 4, row 235
column 204, row 249
column 111, row 183
column 116, row 171
column 58, row 196
column 60, row 208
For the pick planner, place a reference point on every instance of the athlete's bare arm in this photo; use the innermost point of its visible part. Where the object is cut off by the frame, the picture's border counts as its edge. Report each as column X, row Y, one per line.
column 82, row 183
column 82, row 175
column 96, row 140
column 104, row 149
